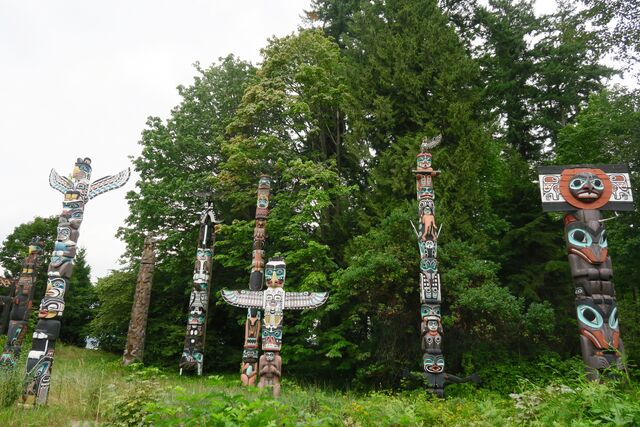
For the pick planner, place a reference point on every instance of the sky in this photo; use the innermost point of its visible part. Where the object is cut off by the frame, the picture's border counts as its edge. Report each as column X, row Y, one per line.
column 79, row 78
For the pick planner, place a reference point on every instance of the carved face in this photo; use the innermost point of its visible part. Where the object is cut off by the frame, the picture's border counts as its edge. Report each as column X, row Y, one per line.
column 429, row 265
column 585, row 188
column 433, row 363
column 56, row 287
column 271, row 339
column 424, row 187
column 263, row 199
column 265, row 181
column 275, row 273
column 424, row 161
column 273, row 307
column 589, row 244
column 599, row 324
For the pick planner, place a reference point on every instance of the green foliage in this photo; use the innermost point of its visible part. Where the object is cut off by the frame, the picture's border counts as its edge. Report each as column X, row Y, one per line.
column 10, row 386
column 131, row 408
column 80, row 303
column 15, row 248
column 113, row 310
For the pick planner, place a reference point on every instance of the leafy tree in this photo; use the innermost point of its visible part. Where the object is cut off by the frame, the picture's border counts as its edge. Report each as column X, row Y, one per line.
column 80, row 302
column 114, row 294
column 618, row 21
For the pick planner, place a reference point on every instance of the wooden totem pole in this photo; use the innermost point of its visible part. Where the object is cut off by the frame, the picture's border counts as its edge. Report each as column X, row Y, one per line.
column 21, row 307
column 134, row 349
column 8, row 288
column 273, row 300
column 77, row 192
column 250, row 353
column 583, row 191
column 430, row 299
column 193, row 352
column 429, row 280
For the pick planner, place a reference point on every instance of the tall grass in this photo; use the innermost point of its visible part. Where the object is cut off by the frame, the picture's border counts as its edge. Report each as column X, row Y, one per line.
column 91, row 388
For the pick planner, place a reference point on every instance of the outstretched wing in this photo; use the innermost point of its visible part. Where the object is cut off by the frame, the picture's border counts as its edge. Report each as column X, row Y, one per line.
column 245, row 299
column 428, row 144
column 302, row 300
column 108, row 183
column 60, row 183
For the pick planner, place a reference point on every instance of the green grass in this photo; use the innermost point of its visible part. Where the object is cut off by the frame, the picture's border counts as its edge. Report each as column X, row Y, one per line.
column 91, row 388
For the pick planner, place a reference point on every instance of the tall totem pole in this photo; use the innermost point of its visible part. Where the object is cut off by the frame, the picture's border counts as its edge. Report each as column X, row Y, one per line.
column 77, row 192
column 273, row 300
column 250, row 353
column 21, row 307
column 583, row 191
column 134, row 349
column 430, row 287
column 430, row 299
column 193, row 352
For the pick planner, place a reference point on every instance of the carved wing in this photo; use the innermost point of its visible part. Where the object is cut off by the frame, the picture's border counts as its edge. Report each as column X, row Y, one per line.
column 428, row 144
column 302, row 300
column 244, row 299
column 60, row 183
column 108, row 183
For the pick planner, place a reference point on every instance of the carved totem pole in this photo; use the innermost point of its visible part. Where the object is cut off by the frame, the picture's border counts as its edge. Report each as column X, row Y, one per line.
column 273, row 300
column 21, row 307
column 77, row 192
column 583, row 191
column 8, row 287
column 250, row 353
column 427, row 233
column 193, row 352
column 134, row 349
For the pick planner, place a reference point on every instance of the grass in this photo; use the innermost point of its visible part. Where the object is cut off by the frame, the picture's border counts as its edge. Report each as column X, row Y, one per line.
column 91, row 388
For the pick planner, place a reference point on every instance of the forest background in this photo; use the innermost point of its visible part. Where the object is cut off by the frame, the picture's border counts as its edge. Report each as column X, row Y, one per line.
column 335, row 113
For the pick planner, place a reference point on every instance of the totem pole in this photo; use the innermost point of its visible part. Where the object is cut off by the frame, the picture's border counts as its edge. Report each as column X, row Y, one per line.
column 21, row 307
column 193, row 352
column 273, row 300
column 427, row 233
column 583, row 191
column 77, row 192
column 8, row 286
column 250, row 353
column 134, row 349
column 430, row 291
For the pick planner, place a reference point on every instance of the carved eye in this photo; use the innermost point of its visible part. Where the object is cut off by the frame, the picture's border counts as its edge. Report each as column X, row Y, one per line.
column 268, row 272
column 580, row 238
column 590, row 317
column 440, row 362
column 603, row 239
column 613, row 319
column 280, row 272
column 576, row 183
column 597, row 184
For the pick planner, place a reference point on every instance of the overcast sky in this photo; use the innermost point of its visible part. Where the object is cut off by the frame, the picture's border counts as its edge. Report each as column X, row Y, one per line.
column 79, row 78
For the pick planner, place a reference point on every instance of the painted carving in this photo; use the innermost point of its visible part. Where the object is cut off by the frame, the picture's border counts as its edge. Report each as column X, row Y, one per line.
column 250, row 353
column 584, row 191
column 134, row 349
column 274, row 301
column 7, row 287
column 21, row 305
column 431, row 333
column 77, row 191
column 192, row 358
column 429, row 280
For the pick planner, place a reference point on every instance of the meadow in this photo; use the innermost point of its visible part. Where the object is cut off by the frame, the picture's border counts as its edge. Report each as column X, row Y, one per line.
column 91, row 388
